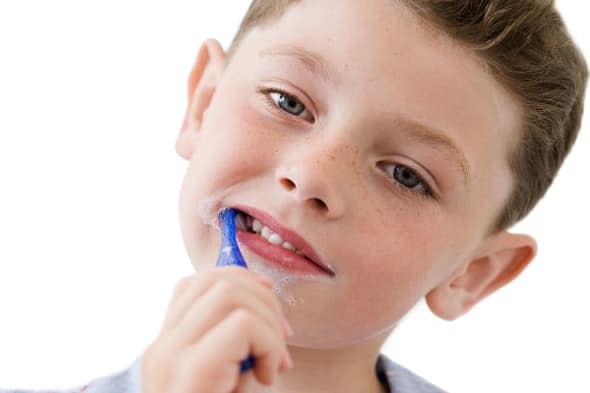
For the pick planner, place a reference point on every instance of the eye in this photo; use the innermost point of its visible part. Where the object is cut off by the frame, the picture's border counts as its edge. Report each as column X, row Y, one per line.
column 408, row 179
column 288, row 103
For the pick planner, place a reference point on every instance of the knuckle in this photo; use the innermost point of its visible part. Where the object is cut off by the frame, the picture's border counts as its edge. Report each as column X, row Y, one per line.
column 208, row 276
column 225, row 286
column 206, row 280
column 182, row 284
column 243, row 317
column 225, row 293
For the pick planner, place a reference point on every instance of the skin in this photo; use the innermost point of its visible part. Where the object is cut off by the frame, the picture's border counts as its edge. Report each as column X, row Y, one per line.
column 327, row 174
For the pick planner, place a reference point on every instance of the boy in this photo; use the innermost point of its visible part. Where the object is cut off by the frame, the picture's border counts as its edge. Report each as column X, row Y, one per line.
column 392, row 148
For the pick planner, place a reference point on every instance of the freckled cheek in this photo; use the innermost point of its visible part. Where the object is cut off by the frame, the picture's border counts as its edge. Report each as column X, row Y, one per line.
column 240, row 135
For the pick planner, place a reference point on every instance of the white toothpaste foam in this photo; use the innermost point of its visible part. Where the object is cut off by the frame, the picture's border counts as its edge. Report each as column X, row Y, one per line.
column 207, row 209
column 282, row 279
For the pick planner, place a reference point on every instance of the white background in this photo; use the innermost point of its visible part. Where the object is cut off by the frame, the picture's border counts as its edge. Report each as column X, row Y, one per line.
column 92, row 95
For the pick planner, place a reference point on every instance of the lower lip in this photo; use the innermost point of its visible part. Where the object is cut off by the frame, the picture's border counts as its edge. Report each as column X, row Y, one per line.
column 278, row 255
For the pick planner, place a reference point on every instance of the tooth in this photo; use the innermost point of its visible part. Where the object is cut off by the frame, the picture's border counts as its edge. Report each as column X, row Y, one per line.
column 265, row 233
column 270, row 236
column 256, row 226
column 249, row 221
column 275, row 238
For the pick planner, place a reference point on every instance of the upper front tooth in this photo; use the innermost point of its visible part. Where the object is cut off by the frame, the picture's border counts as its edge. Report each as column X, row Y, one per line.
column 275, row 238
column 265, row 233
column 256, row 226
column 272, row 237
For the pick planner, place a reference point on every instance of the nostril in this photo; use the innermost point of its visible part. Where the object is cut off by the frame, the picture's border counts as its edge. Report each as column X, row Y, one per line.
column 288, row 184
column 320, row 204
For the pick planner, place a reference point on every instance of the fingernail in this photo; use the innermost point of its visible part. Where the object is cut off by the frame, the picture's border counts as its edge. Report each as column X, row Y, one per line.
column 286, row 362
column 288, row 359
column 287, row 326
column 284, row 366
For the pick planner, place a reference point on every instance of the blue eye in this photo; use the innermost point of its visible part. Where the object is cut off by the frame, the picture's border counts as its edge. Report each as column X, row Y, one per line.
column 285, row 104
column 288, row 103
column 408, row 180
column 406, row 177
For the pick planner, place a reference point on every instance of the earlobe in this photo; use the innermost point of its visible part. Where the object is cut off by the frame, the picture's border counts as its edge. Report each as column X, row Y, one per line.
column 202, row 83
column 504, row 257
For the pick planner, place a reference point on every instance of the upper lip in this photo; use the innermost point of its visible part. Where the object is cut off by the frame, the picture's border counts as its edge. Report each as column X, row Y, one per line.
column 286, row 234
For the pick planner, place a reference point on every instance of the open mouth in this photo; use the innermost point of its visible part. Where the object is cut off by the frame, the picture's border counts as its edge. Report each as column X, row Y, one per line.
column 256, row 227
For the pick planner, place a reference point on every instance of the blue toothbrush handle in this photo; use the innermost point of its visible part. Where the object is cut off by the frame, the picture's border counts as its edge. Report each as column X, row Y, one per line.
column 247, row 364
column 230, row 255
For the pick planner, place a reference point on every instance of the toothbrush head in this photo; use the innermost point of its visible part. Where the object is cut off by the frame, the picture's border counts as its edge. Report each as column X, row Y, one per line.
column 229, row 254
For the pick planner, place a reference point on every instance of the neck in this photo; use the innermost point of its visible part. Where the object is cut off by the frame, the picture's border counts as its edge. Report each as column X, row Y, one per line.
column 343, row 370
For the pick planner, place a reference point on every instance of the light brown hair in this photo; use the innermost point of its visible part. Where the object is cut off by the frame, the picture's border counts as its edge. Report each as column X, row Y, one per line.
column 527, row 48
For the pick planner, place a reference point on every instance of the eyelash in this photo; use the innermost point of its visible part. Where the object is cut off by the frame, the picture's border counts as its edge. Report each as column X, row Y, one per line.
column 267, row 91
column 425, row 190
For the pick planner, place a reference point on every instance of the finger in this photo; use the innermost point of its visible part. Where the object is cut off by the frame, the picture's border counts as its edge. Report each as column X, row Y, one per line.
column 247, row 384
column 192, row 287
column 233, row 339
column 286, row 362
column 268, row 282
column 219, row 301
column 236, row 281
column 185, row 291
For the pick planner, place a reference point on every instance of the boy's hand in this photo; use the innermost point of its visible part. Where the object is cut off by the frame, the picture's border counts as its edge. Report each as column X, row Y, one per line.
column 214, row 321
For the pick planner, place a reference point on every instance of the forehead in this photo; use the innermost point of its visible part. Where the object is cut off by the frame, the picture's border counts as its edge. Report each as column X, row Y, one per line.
column 378, row 57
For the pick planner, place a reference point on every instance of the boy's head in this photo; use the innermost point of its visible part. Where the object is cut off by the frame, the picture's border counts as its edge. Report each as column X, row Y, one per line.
column 398, row 139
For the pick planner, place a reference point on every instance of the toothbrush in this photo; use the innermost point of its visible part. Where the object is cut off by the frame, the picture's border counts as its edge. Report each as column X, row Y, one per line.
column 229, row 255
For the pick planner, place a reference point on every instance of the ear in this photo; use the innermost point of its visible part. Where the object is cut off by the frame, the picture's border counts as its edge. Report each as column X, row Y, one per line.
column 501, row 259
column 202, row 83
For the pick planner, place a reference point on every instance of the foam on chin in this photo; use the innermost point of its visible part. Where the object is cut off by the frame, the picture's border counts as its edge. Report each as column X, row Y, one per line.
column 283, row 279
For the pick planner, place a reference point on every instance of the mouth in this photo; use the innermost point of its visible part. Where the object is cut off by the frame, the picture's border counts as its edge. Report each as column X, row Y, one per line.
column 266, row 237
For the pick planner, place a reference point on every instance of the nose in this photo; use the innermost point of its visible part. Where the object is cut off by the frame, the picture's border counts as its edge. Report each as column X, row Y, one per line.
column 312, row 180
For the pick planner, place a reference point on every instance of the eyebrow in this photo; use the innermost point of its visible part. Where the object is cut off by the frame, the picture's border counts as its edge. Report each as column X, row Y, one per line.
column 436, row 139
column 313, row 61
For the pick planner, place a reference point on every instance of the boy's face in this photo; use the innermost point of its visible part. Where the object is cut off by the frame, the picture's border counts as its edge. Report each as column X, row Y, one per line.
column 387, row 155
